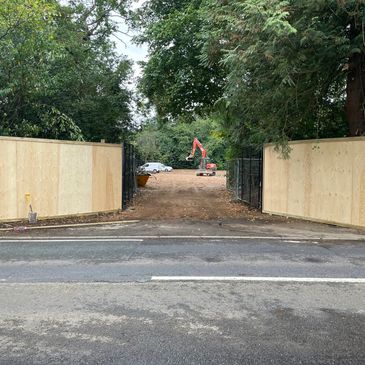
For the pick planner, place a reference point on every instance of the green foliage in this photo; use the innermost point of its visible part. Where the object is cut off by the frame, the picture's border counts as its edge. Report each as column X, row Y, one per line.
column 148, row 143
column 59, row 74
column 285, row 62
column 172, row 143
column 174, row 80
column 50, row 123
column 268, row 70
column 27, row 46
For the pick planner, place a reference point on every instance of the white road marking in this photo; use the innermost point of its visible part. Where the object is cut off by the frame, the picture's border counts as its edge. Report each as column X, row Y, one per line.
column 73, row 240
column 195, row 279
column 147, row 237
column 165, row 237
column 259, row 279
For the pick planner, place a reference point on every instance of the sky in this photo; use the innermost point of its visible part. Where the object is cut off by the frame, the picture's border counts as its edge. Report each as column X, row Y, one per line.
column 127, row 47
column 124, row 44
column 136, row 53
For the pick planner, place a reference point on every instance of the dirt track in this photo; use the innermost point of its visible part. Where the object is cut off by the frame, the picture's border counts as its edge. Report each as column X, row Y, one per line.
column 182, row 194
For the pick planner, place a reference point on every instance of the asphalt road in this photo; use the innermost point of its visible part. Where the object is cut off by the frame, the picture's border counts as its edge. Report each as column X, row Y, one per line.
column 93, row 301
column 135, row 259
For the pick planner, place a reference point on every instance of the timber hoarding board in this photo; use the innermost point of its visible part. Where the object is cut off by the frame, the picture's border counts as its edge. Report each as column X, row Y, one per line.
column 323, row 180
column 58, row 177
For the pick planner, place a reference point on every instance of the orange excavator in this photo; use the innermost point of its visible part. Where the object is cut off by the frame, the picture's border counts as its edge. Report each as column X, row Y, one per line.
column 206, row 168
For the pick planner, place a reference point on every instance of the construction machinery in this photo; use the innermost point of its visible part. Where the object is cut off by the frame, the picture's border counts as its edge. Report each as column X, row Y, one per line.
column 206, row 168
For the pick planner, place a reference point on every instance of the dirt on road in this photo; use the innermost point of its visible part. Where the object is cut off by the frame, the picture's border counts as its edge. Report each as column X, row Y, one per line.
column 182, row 194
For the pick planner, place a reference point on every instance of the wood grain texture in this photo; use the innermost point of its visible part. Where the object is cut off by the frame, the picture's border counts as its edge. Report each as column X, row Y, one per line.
column 322, row 181
column 8, row 178
column 75, row 184
column 106, row 179
column 62, row 178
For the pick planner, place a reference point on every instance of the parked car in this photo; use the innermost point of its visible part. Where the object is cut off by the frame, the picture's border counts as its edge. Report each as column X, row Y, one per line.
column 166, row 168
column 155, row 167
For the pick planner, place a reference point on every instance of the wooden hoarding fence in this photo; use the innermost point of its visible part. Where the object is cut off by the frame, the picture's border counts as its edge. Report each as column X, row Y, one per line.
column 322, row 180
column 58, row 178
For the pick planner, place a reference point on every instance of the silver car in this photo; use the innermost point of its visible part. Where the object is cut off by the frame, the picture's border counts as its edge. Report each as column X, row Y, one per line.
column 165, row 168
column 155, row 167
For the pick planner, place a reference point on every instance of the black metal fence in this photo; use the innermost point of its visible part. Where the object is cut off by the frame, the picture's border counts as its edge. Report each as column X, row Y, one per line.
column 129, row 183
column 244, row 177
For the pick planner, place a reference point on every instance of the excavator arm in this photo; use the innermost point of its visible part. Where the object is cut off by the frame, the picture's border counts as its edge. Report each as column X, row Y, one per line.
column 196, row 144
column 205, row 167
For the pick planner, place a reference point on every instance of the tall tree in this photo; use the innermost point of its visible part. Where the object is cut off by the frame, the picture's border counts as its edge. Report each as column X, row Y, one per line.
column 172, row 142
column 27, row 46
column 294, row 67
column 91, row 82
column 174, row 79
column 59, row 74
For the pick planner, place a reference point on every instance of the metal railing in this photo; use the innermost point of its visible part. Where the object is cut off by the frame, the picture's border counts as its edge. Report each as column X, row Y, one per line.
column 129, row 183
column 244, row 177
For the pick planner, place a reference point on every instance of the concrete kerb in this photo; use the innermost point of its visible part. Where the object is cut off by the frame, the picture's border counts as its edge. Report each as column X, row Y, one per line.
column 74, row 225
column 158, row 232
column 297, row 240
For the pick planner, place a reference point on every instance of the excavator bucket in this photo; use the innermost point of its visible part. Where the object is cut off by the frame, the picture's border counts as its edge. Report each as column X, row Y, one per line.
column 190, row 158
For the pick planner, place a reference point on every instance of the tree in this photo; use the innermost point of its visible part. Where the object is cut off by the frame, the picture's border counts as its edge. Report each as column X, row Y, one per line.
column 148, row 145
column 60, row 76
column 174, row 79
column 91, row 79
column 171, row 143
column 27, row 46
column 292, row 67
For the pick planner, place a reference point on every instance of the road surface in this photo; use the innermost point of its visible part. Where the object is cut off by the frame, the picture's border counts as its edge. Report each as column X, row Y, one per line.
column 99, row 300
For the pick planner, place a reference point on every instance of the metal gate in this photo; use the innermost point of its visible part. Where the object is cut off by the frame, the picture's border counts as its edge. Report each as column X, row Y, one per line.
column 244, row 177
column 129, row 183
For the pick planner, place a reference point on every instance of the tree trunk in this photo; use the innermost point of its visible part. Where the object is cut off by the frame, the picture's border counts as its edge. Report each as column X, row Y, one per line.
column 355, row 101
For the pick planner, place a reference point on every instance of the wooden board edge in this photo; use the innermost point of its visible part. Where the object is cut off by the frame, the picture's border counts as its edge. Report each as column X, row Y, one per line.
column 77, row 215
column 59, row 141
column 321, row 140
column 315, row 220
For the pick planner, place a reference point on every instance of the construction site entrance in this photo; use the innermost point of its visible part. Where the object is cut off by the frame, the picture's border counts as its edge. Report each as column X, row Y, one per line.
column 181, row 194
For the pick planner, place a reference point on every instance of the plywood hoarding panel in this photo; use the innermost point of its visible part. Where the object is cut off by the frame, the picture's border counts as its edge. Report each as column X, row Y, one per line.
column 358, row 185
column 322, row 180
column 37, row 175
column 106, row 179
column 8, row 187
column 75, row 182
column 60, row 178
column 275, row 190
